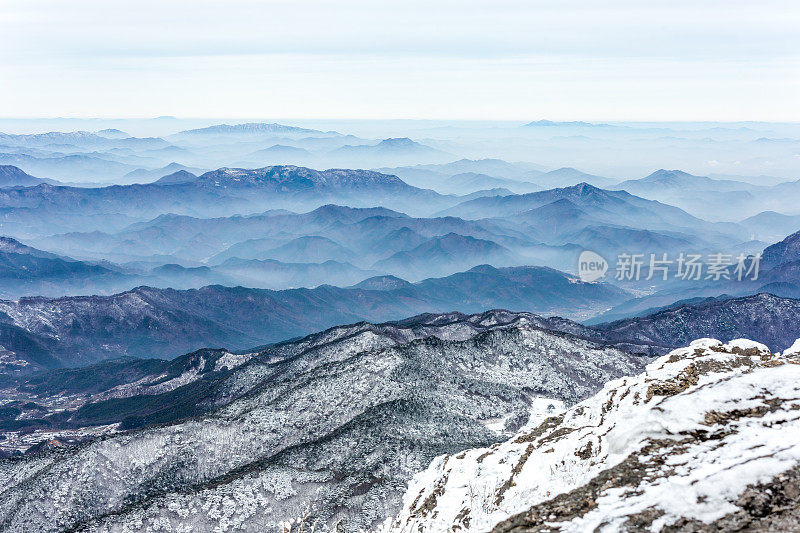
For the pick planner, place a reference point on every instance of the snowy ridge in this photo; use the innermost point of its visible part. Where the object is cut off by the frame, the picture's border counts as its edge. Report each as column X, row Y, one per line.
column 687, row 441
column 336, row 424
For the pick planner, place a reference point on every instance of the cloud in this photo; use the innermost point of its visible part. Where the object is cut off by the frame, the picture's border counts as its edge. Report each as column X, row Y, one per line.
column 658, row 57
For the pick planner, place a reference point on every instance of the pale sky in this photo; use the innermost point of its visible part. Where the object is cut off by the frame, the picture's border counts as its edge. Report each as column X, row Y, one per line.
column 513, row 60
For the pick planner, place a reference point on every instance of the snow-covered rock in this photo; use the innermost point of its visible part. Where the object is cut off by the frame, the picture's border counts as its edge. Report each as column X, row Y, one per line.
column 707, row 435
column 793, row 349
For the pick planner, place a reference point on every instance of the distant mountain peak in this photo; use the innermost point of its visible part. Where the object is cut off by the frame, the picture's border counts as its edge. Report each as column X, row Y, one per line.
column 335, row 210
column 583, row 189
column 295, row 178
column 112, row 133
column 399, row 142
column 663, row 174
column 281, row 149
column 249, row 128
column 10, row 244
column 559, row 208
column 383, row 283
column 402, row 144
column 573, row 123
column 484, row 269
column 181, row 176
column 11, row 176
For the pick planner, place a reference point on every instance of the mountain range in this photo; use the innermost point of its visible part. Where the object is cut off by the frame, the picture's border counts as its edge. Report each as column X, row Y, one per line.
column 595, row 206
column 147, row 321
column 344, row 418
column 711, row 198
column 544, row 227
column 467, row 175
column 770, row 225
column 280, row 327
column 45, row 332
column 434, row 397
column 249, row 129
column 173, row 173
column 450, row 252
column 223, row 192
column 777, row 272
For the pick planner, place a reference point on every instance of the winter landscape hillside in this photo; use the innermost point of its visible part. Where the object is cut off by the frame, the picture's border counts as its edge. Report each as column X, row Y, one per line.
column 399, row 267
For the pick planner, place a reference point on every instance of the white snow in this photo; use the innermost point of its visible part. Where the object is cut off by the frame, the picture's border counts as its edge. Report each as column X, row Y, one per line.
column 793, row 349
column 746, row 344
column 474, row 490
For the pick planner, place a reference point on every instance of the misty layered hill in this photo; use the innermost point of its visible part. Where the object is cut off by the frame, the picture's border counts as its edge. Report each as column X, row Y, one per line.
column 785, row 251
column 345, row 418
column 583, row 195
column 373, row 234
column 180, row 176
column 311, row 248
column 662, row 180
column 269, row 273
column 84, row 156
column 355, row 243
column 342, row 245
column 467, row 175
column 11, row 176
column 469, row 182
column 778, row 274
column 55, row 140
column 715, row 198
column 445, row 254
column 610, row 240
column 616, row 208
column 771, row 226
column 279, row 154
column 259, row 273
column 249, row 129
column 26, row 270
column 58, row 167
column 568, row 176
column 392, row 151
column 168, row 174
column 596, row 228
column 485, row 173
column 702, row 196
column 221, row 192
column 148, row 321
column 549, row 227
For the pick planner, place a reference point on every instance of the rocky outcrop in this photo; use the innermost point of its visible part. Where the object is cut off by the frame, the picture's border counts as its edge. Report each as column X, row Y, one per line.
column 706, row 439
